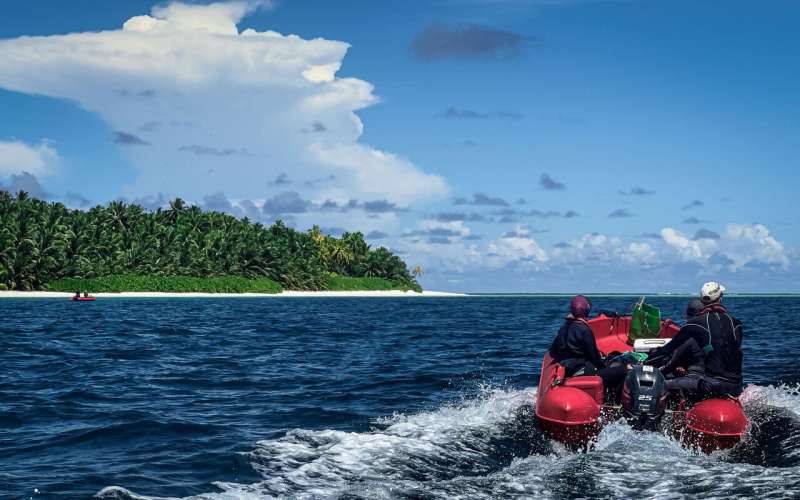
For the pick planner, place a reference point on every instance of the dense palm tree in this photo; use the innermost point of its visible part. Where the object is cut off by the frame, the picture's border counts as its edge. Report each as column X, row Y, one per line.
column 41, row 242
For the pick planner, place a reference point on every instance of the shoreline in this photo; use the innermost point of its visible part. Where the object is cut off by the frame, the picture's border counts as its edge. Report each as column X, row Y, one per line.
column 294, row 294
column 13, row 294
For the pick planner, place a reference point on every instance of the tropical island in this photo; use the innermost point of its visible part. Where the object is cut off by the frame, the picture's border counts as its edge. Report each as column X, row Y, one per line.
column 123, row 247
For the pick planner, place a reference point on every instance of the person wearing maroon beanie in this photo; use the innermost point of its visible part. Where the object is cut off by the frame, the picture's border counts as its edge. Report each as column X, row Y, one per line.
column 580, row 307
column 575, row 348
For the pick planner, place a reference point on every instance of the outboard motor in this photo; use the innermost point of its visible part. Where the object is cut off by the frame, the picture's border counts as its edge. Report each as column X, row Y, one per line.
column 644, row 397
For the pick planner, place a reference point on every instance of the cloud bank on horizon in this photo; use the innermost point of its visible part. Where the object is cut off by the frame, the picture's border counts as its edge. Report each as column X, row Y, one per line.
column 259, row 124
column 668, row 261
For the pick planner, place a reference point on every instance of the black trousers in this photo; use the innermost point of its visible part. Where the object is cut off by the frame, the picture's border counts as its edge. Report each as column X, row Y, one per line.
column 686, row 385
column 612, row 376
column 696, row 387
column 710, row 387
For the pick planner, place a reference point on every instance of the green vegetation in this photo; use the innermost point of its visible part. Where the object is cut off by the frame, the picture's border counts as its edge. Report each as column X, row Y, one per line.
column 349, row 283
column 42, row 244
column 216, row 284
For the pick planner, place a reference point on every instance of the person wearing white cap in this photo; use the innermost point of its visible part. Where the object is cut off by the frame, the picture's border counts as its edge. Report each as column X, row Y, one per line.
column 711, row 292
column 720, row 336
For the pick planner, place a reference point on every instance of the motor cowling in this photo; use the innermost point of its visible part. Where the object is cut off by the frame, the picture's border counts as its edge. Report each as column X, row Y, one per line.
column 644, row 397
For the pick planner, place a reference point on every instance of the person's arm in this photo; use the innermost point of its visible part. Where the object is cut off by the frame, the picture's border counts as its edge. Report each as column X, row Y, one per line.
column 590, row 348
column 738, row 332
column 677, row 356
column 663, row 354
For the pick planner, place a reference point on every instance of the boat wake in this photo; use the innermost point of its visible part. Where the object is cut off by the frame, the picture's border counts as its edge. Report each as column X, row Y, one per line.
column 487, row 447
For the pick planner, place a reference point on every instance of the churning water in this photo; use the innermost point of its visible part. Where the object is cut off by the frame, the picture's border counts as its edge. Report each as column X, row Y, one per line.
column 348, row 398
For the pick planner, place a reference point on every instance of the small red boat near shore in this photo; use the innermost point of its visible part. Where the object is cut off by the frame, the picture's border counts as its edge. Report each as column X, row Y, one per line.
column 82, row 299
column 574, row 410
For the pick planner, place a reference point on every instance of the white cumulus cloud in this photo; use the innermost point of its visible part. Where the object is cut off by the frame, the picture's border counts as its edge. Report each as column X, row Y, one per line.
column 200, row 106
column 17, row 157
column 687, row 248
column 516, row 247
column 593, row 247
column 744, row 244
column 740, row 244
column 456, row 227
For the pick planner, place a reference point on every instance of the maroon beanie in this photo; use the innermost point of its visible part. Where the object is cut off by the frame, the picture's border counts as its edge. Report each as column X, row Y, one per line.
column 580, row 306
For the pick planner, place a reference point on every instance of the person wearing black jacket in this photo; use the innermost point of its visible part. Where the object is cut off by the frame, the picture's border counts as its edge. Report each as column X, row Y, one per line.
column 719, row 335
column 575, row 348
column 687, row 365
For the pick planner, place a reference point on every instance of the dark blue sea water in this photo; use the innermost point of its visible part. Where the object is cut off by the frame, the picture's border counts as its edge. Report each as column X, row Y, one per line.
column 347, row 398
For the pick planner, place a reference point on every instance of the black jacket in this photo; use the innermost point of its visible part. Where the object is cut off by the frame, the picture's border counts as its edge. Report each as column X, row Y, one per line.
column 574, row 346
column 719, row 335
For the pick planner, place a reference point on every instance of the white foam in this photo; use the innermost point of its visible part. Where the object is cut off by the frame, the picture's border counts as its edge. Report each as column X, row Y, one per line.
column 453, row 452
column 322, row 463
column 123, row 494
column 781, row 396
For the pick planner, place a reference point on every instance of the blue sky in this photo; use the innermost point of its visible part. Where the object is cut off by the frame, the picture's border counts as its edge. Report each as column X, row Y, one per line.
column 504, row 145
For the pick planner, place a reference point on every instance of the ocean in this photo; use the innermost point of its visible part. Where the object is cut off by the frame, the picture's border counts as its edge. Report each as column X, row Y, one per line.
column 349, row 398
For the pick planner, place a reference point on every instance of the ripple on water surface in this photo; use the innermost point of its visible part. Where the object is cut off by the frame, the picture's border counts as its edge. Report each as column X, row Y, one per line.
column 346, row 398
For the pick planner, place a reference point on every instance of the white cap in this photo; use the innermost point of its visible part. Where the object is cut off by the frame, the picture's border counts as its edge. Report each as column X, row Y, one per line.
column 711, row 292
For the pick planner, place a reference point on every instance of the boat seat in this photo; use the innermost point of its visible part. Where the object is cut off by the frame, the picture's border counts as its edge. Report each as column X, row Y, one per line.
column 590, row 384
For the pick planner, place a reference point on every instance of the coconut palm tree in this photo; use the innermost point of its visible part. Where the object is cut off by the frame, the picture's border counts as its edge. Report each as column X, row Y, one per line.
column 40, row 242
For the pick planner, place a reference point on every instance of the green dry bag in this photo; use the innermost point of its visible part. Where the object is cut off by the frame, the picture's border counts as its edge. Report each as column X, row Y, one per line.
column 645, row 322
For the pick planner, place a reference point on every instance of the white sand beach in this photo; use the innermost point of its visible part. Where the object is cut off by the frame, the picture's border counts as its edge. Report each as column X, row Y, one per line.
column 376, row 293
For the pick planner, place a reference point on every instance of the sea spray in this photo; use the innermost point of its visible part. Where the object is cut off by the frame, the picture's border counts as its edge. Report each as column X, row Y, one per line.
column 453, row 451
column 440, row 444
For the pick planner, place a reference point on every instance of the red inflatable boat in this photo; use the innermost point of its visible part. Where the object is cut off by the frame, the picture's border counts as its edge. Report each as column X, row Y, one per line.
column 574, row 410
column 82, row 299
